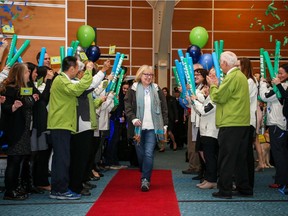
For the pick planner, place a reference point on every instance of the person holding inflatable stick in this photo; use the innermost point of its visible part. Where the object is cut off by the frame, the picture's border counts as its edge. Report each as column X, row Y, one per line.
column 62, row 120
column 118, row 122
column 277, row 123
column 193, row 125
column 233, row 120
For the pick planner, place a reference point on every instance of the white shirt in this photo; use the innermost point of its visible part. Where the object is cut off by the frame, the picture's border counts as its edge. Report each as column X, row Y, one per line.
column 147, row 122
column 253, row 90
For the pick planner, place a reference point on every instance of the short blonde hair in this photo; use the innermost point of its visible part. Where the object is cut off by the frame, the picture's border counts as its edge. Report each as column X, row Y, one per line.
column 141, row 70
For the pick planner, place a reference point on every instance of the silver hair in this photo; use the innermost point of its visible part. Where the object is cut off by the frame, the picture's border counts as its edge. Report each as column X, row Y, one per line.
column 229, row 57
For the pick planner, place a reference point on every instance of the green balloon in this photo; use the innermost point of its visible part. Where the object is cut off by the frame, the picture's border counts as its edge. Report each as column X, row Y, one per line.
column 198, row 36
column 85, row 35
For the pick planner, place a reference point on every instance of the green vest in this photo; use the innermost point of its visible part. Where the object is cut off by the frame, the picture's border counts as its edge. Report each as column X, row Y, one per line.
column 63, row 101
column 232, row 100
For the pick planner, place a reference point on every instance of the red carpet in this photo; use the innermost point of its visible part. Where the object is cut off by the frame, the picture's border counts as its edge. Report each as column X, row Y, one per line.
column 123, row 196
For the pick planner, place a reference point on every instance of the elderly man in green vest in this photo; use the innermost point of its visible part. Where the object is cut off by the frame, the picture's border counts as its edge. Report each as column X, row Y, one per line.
column 233, row 119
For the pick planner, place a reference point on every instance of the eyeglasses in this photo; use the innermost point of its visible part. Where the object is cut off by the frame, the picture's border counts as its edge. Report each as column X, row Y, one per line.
column 148, row 75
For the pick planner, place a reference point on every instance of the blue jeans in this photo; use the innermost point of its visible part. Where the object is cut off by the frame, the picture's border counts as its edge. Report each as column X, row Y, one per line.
column 145, row 152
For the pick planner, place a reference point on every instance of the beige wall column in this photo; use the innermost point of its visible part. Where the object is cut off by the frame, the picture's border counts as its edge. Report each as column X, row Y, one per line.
column 162, row 16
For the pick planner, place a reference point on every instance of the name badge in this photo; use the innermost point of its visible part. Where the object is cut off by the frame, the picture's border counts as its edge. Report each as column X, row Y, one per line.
column 26, row 91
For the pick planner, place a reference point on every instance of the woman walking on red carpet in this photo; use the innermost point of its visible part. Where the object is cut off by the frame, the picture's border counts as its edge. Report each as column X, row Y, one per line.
column 147, row 113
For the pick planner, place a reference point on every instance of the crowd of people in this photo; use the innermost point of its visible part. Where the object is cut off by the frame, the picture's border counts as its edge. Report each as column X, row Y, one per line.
column 57, row 124
column 229, row 117
column 69, row 118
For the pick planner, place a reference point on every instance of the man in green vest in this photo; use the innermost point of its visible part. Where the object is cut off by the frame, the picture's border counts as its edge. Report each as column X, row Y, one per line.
column 62, row 121
column 233, row 119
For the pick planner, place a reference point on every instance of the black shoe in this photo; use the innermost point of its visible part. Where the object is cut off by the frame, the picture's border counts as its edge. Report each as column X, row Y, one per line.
column 189, row 171
column 85, row 192
column 89, row 185
column 21, row 191
column 14, row 195
column 242, row 194
column 222, row 196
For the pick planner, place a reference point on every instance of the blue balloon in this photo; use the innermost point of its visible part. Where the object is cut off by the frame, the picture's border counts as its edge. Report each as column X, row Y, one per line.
column 93, row 53
column 206, row 61
column 195, row 53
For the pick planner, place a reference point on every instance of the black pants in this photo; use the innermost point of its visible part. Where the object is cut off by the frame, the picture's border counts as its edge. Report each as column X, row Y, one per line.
column 60, row 160
column 80, row 149
column 232, row 159
column 279, row 149
column 210, row 150
column 104, row 137
column 180, row 133
column 94, row 148
column 40, row 169
column 111, row 154
column 12, row 172
column 250, row 156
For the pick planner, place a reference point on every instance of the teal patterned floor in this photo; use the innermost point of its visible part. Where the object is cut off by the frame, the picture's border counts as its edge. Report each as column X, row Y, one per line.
column 192, row 201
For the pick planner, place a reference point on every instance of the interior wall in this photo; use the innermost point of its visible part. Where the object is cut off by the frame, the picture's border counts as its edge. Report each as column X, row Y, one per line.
column 126, row 24
column 129, row 26
column 41, row 22
column 235, row 22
